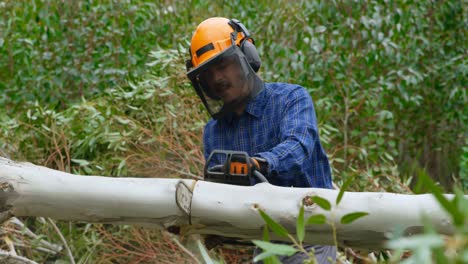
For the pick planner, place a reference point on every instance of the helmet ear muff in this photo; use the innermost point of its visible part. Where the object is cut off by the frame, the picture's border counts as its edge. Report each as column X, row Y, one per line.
column 188, row 62
column 250, row 52
column 247, row 45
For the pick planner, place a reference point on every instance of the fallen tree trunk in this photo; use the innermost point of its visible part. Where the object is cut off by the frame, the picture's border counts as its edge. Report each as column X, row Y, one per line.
column 220, row 209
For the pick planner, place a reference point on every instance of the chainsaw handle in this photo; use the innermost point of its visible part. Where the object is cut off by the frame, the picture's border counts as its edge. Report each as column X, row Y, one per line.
column 216, row 168
column 260, row 176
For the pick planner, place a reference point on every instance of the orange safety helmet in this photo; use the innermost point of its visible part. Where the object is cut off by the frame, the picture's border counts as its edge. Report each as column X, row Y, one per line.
column 214, row 35
column 214, row 40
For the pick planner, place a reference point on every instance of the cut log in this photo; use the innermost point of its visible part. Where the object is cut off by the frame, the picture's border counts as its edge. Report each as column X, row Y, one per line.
column 213, row 208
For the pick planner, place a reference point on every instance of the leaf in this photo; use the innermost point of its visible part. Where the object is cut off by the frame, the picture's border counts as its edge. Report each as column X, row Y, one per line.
column 416, row 241
column 464, row 256
column 450, row 207
column 320, row 29
column 420, row 246
column 80, row 162
column 122, row 121
column 267, row 257
column 318, row 219
column 439, row 255
column 461, row 201
column 343, row 189
column 349, row 218
column 277, row 228
column 300, row 226
column 266, row 233
column 278, row 249
column 204, row 254
column 339, row 160
column 323, row 203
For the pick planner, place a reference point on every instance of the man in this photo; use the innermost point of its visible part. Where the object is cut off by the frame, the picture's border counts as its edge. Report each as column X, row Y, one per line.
column 275, row 123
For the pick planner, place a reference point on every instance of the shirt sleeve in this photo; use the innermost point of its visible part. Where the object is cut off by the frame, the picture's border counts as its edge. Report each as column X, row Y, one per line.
column 207, row 144
column 298, row 133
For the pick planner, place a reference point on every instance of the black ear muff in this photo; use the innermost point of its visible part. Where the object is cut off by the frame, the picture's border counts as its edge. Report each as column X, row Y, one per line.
column 188, row 62
column 246, row 45
column 250, row 52
column 188, row 65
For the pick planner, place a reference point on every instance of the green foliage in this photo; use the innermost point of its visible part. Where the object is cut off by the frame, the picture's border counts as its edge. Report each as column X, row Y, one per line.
column 464, row 166
column 351, row 217
column 300, row 226
column 420, row 245
column 373, row 69
column 318, row 219
column 271, row 250
column 95, row 137
column 451, row 207
column 431, row 247
column 55, row 51
column 343, row 189
column 323, row 203
column 275, row 227
column 206, row 257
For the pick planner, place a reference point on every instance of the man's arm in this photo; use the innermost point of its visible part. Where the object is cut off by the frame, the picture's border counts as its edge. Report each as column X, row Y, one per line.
column 299, row 134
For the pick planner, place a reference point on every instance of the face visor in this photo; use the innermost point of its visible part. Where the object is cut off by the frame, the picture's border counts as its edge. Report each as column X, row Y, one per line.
column 223, row 82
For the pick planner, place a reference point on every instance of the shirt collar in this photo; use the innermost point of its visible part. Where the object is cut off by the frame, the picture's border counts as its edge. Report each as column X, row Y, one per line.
column 256, row 105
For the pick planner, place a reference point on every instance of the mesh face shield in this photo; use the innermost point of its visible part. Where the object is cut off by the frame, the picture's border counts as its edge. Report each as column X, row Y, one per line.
column 221, row 95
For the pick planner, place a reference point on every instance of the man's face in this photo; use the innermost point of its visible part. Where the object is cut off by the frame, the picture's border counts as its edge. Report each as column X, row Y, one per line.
column 226, row 79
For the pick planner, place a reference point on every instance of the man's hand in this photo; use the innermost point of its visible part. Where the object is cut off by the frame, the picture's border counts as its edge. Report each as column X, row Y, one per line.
column 240, row 166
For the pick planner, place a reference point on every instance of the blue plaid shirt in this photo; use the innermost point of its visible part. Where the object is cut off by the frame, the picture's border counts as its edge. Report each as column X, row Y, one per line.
column 279, row 125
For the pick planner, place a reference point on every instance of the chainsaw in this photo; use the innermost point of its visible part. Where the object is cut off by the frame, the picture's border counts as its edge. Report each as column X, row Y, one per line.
column 236, row 168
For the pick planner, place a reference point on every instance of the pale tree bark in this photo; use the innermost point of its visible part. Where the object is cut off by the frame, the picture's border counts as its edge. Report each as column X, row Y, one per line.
column 219, row 209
